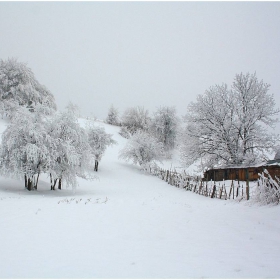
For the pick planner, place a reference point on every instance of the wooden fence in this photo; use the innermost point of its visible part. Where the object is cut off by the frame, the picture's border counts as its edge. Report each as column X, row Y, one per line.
column 237, row 190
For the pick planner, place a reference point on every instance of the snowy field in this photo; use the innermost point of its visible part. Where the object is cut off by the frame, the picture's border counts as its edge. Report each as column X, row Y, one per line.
column 128, row 224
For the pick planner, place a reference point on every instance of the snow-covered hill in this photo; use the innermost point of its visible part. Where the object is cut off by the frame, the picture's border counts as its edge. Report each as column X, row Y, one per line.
column 128, row 224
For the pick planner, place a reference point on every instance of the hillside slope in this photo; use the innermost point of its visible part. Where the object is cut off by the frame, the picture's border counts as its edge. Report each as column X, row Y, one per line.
column 128, row 224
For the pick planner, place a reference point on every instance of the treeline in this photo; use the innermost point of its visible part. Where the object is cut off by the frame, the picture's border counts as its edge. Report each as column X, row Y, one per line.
column 227, row 125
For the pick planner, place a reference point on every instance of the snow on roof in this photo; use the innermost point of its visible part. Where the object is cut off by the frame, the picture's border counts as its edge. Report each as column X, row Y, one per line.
column 273, row 162
column 258, row 164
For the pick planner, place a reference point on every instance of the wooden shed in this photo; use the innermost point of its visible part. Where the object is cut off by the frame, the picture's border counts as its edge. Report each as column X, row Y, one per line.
column 243, row 173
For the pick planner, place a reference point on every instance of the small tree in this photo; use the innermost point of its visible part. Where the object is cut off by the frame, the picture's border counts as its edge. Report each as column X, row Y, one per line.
column 98, row 140
column 113, row 116
column 19, row 87
column 164, row 126
column 142, row 148
column 136, row 118
column 71, row 151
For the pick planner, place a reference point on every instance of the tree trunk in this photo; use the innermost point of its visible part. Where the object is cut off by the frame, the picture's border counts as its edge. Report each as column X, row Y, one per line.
column 51, row 180
column 30, row 184
column 53, row 183
column 96, row 166
column 25, row 181
column 59, row 183
column 53, row 186
column 36, row 184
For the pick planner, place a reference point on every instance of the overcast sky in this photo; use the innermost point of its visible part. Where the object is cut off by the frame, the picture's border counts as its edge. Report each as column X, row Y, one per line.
column 141, row 53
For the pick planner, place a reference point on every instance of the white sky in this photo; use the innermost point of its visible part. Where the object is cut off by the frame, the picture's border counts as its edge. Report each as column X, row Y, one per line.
column 141, row 53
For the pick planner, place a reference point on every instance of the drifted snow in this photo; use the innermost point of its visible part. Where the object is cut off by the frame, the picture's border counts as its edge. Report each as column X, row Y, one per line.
column 128, row 224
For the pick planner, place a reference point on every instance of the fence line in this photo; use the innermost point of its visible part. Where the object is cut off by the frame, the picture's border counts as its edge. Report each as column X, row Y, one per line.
column 198, row 185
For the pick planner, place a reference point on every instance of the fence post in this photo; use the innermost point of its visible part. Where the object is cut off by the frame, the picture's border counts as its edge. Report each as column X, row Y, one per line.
column 224, row 184
column 230, row 190
column 237, row 189
column 214, row 190
column 247, row 189
column 221, row 192
column 167, row 173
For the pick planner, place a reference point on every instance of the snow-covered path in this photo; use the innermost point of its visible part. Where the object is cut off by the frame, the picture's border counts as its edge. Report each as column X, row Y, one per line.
column 128, row 224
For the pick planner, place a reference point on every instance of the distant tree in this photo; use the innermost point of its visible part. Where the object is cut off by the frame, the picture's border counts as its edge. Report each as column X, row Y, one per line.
column 164, row 126
column 136, row 118
column 113, row 116
column 19, row 87
column 142, row 148
column 228, row 126
column 98, row 140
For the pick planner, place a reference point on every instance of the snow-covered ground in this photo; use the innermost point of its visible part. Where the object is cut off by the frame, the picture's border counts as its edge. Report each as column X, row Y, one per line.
column 128, row 224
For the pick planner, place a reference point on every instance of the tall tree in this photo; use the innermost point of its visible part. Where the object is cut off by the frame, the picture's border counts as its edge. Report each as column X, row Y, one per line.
column 255, row 110
column 228, row 126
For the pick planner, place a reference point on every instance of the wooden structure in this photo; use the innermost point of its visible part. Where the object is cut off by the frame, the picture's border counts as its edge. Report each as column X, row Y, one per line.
column 243, row 173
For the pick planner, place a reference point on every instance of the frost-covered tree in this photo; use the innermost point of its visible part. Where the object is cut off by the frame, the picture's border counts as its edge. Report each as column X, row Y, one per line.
column 25, row 150
column 19, row 87
column 255, row 111
column 227, row 126
column 34, row 144
column 142, row 148
column 98, row 140
column 113, row 116
column 209, row 133
column 164, row 126
column 71, row 152
column 136, row 118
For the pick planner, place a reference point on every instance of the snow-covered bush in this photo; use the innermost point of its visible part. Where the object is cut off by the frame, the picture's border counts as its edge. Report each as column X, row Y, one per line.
column 136, row 118
column 164, row 126
column 19, row 87
column 113, row 116
column 267, row 190
column 98, row 140
column 142, row 148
